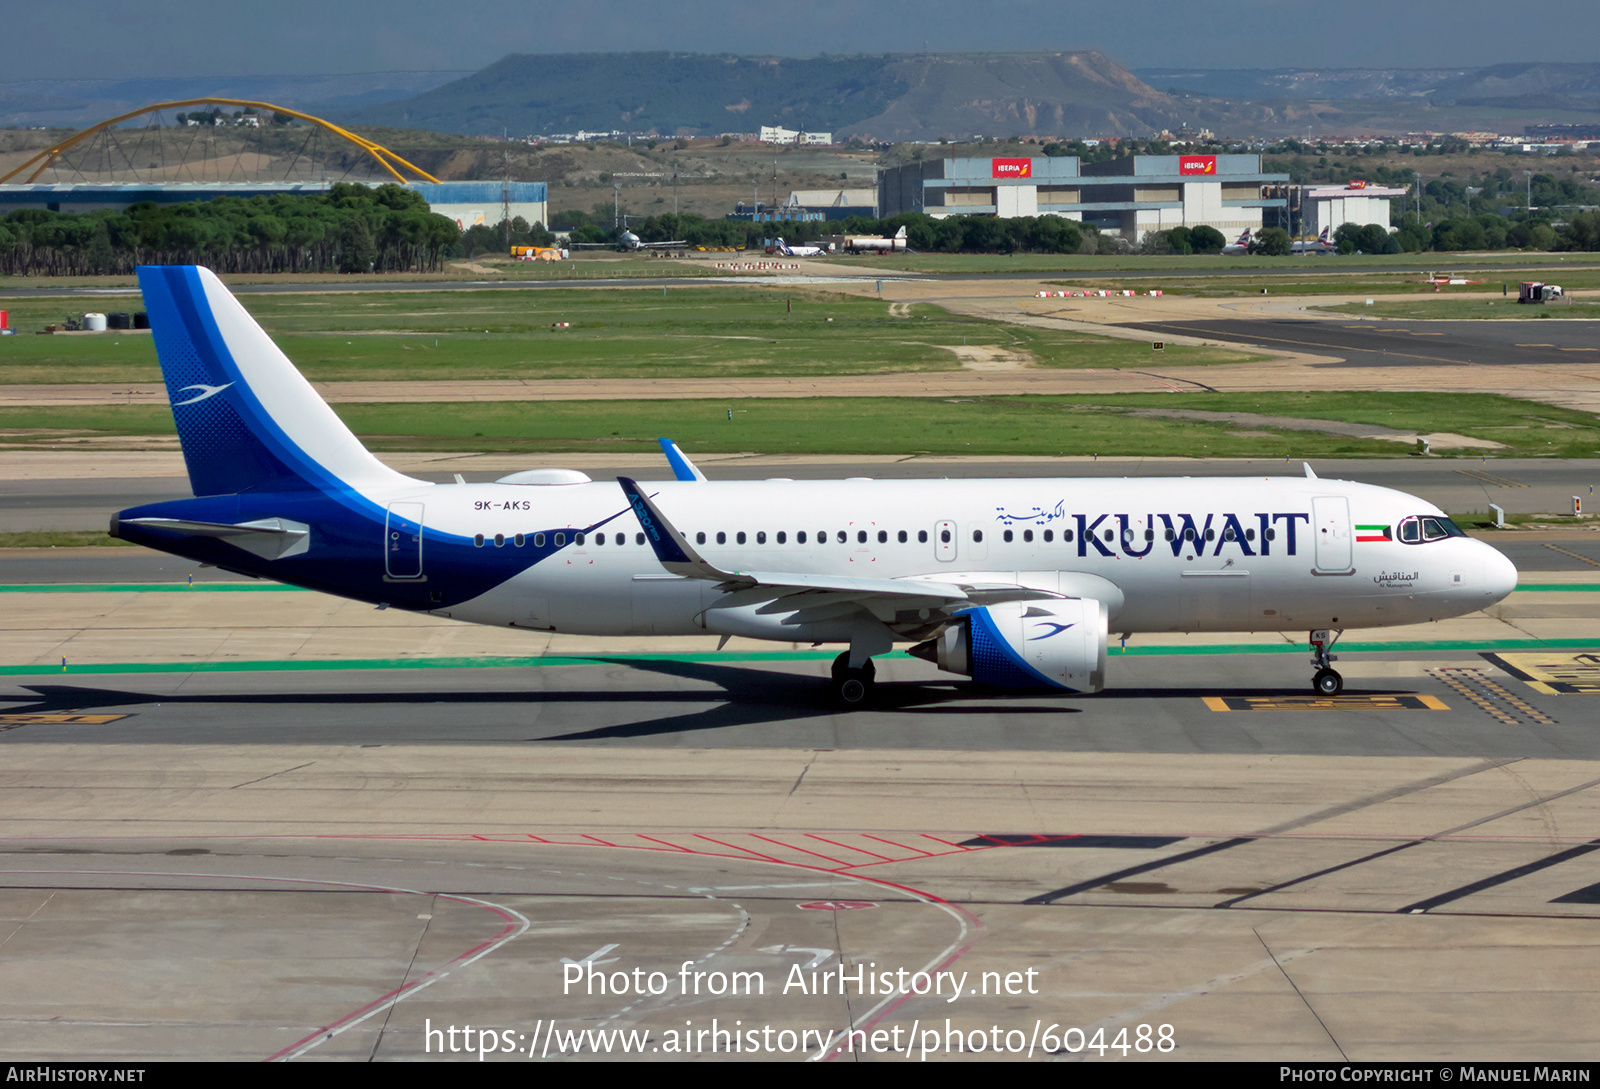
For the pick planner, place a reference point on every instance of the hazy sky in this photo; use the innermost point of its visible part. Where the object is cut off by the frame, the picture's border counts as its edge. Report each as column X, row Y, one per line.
column 147, row 38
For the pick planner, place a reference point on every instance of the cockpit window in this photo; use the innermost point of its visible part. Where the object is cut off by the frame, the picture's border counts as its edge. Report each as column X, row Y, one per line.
column 1426, row 528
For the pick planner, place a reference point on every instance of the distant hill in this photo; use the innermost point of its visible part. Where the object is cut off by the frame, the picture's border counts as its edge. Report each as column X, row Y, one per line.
column 933, row 96
column 1525, row 87
column 1302, row 83
column 669, row 93
column 893, row 97
column 1020, row 94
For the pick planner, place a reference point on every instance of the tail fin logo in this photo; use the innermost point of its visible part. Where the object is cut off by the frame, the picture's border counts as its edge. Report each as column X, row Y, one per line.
column 205, row 391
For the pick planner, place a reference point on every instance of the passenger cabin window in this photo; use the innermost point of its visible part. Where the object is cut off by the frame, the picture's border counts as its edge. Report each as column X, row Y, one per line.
column 578, row 539
column 861, row 536
column 922, row 536
column 800, row 538
column 1027, row 535
column 844, row 538
column 1049, row 535
column 1006, row 536
column 944, row 536
column 738, row 538
column 478, row 541
column 638, row 538
column 722, row 538
column 902, row 536
column 700, row 538
column 1066, row 535
column 499, row 540
column 518, row 539
column 538, row 540
column 977, row 536
column 883, row 536
column 561, row 539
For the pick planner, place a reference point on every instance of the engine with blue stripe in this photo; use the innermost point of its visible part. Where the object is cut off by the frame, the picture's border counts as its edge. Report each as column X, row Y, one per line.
column 1058, row 644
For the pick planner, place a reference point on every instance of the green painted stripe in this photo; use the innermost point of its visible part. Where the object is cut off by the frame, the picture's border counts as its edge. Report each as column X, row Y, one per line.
column 311, row 665
column 150, row 588
column 1545, row 587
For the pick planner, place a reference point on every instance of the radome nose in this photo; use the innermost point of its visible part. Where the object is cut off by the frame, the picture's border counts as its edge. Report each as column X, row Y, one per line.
column 1499, row 573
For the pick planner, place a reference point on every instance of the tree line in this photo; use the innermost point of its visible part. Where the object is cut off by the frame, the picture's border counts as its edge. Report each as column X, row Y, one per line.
column 351, row 228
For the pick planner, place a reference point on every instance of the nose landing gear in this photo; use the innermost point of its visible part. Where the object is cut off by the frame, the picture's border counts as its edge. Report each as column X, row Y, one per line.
column 1326, row 681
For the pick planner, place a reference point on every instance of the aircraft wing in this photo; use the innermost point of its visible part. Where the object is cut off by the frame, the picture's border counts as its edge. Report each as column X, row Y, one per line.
column 679, row 557
column 662, row 245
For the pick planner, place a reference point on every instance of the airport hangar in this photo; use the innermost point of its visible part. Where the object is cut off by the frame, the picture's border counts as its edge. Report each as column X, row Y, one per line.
column 1130, row 197
column 468, row 203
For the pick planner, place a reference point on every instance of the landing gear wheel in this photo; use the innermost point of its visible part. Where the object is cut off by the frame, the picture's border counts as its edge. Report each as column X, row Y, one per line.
column 1327, row 682
column 854, row 687
column 841, row 668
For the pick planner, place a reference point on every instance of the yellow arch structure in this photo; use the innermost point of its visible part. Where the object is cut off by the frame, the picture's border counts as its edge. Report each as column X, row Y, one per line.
column 380, row 154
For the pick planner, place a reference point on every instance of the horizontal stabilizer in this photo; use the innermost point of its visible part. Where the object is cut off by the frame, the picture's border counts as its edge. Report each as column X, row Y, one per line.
column 269, row 538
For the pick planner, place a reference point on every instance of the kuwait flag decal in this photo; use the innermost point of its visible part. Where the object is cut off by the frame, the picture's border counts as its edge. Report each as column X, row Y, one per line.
column 1372, row 533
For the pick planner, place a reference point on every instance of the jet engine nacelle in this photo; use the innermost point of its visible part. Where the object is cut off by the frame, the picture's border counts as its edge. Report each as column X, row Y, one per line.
column 1055, row 644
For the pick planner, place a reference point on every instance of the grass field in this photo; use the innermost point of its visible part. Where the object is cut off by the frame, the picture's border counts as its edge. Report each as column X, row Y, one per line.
column 625, row 333
column 1032, row 426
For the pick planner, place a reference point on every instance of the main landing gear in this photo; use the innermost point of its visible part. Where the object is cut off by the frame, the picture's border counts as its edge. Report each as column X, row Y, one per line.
column 853, row 687
column 853, row 671
column 1326, row 681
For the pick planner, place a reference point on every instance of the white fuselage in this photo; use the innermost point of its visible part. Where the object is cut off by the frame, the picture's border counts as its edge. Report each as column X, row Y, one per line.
column 1165, row 555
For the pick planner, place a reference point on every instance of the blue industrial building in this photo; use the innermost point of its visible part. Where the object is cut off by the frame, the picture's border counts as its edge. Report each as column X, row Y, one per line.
column 468, row 203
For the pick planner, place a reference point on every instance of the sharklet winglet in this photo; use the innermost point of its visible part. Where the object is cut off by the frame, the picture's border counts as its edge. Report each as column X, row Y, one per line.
column 676, row 554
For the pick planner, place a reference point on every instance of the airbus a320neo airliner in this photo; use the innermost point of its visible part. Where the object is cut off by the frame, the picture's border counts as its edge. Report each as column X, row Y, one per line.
column 1015, row 583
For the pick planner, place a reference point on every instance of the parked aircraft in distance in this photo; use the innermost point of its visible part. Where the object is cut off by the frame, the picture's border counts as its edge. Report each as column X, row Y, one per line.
column 1242, row 245
column 872, row 243
column 1015, row 583
column 798, row 251
column 1320, row 244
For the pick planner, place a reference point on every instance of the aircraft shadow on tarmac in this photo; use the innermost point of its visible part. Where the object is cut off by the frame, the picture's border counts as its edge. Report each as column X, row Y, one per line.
column 753, row 696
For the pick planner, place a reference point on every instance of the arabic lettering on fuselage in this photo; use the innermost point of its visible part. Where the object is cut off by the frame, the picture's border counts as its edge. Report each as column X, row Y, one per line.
column 1254, row 534
column 1038, row 515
